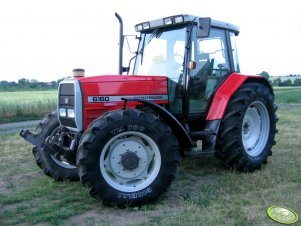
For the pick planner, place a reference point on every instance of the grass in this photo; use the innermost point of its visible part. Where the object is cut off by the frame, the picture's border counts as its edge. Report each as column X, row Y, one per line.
column 27, row 105
column 287, row 94
column 203, row 193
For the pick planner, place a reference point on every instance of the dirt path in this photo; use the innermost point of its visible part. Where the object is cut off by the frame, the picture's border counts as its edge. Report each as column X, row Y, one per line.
column 15, row 127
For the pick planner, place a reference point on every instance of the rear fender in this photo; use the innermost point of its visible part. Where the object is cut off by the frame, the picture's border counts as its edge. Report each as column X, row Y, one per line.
column 227, row 89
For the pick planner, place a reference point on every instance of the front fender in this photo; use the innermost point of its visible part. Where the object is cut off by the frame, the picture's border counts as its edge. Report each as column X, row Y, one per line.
column 176, row 127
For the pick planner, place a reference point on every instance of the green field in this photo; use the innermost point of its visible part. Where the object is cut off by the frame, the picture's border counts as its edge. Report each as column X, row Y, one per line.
column 287, row 95
column 19, row 106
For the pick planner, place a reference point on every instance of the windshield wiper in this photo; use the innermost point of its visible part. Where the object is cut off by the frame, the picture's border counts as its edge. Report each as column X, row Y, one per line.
column 156, row 34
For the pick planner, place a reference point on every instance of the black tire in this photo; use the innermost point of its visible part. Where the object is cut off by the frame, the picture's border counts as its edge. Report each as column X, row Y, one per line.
column 50, row 165
column 248, row 128
column 127, row 135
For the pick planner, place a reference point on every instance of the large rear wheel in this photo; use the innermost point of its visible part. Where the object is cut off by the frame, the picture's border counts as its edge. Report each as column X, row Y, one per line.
column 248, row 128
column 127, row 157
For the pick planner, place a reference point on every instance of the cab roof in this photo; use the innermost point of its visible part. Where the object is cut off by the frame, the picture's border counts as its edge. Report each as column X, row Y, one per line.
column 182, row 19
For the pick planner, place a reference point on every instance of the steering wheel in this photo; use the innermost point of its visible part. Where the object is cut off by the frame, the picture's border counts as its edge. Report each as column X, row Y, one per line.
column 175, row 62
column 178, row 65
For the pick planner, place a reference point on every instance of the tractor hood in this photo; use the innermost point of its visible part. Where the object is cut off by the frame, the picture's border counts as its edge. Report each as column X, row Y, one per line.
column 113, row 78
column 116, row 85
column 100, row 94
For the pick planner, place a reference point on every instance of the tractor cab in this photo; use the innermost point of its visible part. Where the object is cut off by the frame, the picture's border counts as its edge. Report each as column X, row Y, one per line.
column 196, row 54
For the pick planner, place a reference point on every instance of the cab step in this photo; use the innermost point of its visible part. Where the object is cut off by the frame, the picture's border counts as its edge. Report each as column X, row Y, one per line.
column 201, row 134
column 198, row 152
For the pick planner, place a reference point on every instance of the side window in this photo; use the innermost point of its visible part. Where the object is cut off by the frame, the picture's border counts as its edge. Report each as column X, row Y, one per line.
column 214, row 49
column 234, row 52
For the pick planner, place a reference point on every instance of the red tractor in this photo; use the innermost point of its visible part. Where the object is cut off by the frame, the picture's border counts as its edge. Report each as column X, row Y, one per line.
column 123, row 135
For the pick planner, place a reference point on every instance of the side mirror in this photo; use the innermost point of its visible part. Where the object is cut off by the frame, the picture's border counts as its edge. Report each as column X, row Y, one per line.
column 204, row 25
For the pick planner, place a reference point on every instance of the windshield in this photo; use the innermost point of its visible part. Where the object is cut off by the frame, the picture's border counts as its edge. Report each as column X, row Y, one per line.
column 161, row 52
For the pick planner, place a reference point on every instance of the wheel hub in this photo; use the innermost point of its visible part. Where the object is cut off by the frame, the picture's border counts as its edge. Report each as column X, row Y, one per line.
column 246, row 127
column 255, row 128
column 129, row 160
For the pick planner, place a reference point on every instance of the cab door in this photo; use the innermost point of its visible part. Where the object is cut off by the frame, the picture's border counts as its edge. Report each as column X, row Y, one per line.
column 212, row 62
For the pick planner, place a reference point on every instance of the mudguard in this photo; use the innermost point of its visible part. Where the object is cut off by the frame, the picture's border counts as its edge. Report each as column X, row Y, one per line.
column 226, row 90
column 181, row 134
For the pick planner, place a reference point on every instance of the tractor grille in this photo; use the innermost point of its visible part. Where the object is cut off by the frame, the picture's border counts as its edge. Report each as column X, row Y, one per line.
column 66, row 109
column 66, row 96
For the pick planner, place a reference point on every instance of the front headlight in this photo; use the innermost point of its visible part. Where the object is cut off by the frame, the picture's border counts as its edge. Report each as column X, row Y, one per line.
column 70, row 113
column 62, row 112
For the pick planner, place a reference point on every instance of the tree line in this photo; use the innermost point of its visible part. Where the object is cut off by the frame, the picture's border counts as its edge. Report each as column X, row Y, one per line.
column 287, row 82
column 290, row 80
column 33, row 84
column 28, row 85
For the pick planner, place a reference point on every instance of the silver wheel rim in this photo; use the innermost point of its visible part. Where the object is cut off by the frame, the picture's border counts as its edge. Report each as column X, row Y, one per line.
column 62, row 163
column 130, row 161
column 255, row 128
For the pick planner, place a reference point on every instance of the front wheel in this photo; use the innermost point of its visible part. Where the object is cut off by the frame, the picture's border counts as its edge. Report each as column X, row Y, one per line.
column 248, row 128
column 127, row 157
column 53, row 166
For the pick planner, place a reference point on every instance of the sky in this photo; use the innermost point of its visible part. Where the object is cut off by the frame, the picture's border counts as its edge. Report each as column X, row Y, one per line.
column 45, row 40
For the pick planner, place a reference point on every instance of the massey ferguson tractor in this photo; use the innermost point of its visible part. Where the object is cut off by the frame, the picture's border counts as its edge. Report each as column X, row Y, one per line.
column 182, row 95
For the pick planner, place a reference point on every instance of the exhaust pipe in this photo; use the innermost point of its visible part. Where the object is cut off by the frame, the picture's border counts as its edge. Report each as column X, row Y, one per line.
column 121, row 40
